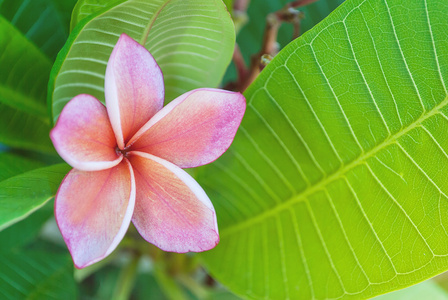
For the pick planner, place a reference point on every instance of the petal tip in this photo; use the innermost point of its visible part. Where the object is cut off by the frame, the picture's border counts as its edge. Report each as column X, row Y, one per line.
column 88, row 233
column 133, row 87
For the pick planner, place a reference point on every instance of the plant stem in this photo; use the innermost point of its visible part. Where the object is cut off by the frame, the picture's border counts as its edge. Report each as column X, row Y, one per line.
column 81, row 274
column 126, row 280
column 198, row 290
column 269, row 46
column 168, row 285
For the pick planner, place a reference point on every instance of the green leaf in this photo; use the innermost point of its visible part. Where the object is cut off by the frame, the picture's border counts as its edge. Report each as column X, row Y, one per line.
column 25, row 131
column 36, row 275
column 23, row 82
column 25, row 231
column 146, row 285
column 101, row 284
column 335, row 185
column 85, row 8
column 22, row 194
column 25, row 72
column 229, row 5
column 12, row 165
column 43, row 22
column 192, row 42
column 222, row 295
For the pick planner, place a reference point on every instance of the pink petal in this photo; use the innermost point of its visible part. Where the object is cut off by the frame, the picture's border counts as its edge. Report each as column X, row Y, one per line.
column 83, row 136
column 93, row 211
column 171, row 211
column 134, row 88
column 194, row 129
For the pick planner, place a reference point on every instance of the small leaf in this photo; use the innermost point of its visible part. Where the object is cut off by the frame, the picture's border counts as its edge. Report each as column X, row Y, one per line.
column 192, row 41
column 335, row 185
column 22, row 194
column 36, row 275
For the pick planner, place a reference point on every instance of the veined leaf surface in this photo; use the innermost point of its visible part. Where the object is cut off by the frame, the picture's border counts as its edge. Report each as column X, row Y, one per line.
column 36, row 275
column 192, row 41
column 85, row 8
column 336, row 186
column 22, row 194
column 26, row 231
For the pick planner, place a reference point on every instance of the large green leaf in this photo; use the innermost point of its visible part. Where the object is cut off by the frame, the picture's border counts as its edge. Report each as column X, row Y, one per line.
column 335, row 185
column 44, row 22
column 12, row 165
column 22, row 130
column 22, row 194
column 85, row 8
column 192, row 42
column 25, row 231
column 36, row 275
column 23, row 81
column 25, row 71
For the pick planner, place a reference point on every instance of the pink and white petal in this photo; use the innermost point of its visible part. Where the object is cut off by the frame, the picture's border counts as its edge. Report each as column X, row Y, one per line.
column 194, row 129
column 83, row 136
column 93, row 211
column 134, row 88
column 171, row 211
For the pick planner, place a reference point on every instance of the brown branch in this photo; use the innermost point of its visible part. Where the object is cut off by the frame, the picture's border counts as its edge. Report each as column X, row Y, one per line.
column 241, row 5
column 270, row 46
column 239, row 62
column 300, row 3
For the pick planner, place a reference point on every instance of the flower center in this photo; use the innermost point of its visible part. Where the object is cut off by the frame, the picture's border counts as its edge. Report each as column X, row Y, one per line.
column 122, row 151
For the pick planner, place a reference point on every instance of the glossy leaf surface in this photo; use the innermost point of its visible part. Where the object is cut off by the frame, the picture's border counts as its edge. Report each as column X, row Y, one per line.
column 43, row 22
column 22, row 194
column 13, row 164
column 25, row 71
column 23, row 80
column 36, row 275
column 335, row 186
column 22, row 233
column 192, row 41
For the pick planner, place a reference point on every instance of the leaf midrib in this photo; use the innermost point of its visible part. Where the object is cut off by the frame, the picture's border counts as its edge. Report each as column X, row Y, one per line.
column 151, row 23
column 336, row 175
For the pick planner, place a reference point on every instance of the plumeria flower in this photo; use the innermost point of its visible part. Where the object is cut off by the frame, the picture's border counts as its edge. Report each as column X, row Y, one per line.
column 127, row 159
